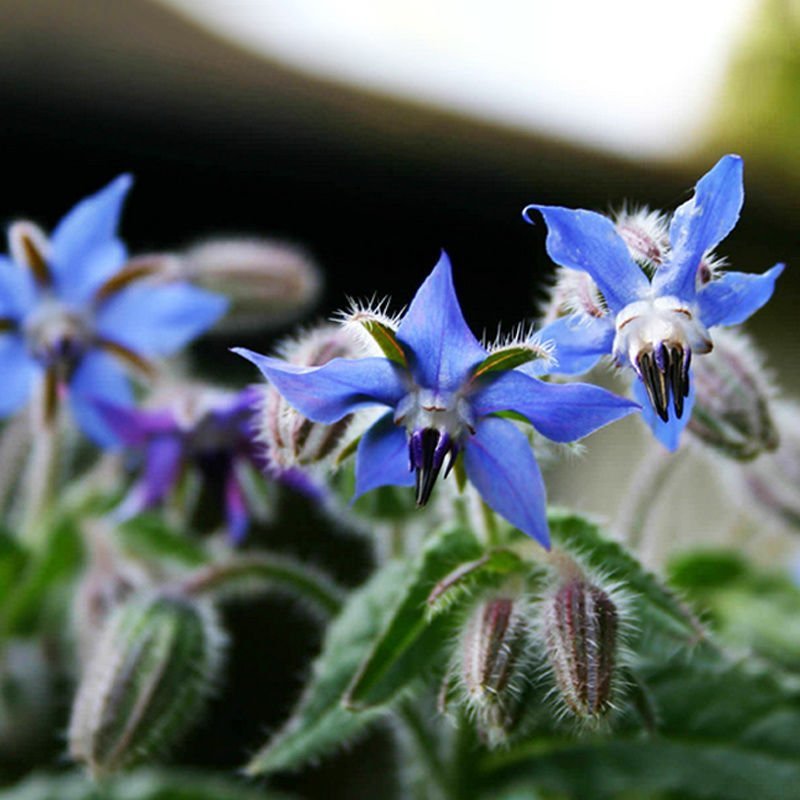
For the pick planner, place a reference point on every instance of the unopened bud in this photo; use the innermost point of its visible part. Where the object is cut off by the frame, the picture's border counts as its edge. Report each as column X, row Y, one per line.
column 771, row 482
column 732, row 411
column 494, row 660
column 581, row 630
column 146, row 681
column 268, row 283
column 293, row 440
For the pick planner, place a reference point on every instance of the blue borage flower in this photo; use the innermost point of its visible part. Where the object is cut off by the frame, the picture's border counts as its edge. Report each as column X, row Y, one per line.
column 74, row 312
column 655, row 325
column 202, row 429
column 444, row 392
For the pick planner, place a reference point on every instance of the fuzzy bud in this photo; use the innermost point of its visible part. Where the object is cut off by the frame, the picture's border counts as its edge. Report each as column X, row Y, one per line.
column 493, row 664
column 292, row 440
column 732, row 412
column 149, row 674
column 268, row 283
column 581, row 632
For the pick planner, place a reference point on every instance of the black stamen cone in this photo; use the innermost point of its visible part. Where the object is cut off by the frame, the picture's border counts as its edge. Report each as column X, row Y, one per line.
column 671, row 378
column 425, row 462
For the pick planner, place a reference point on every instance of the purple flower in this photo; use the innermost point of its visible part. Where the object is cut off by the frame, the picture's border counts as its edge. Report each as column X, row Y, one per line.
column 444, row 392
column 204, row 429
column 657, row 300
column 74, row 312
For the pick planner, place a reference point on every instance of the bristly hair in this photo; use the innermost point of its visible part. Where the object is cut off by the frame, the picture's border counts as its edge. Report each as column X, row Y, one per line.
column 359, row 312
column 646, row 235
column 523, row 336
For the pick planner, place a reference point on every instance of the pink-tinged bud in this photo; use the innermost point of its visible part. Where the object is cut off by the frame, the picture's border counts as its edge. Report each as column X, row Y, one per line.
column 770, row 484
column 732, row 412
column 646, row 234
column 148, row 677
column 581, row 627
column 292, row 440
column 494, row 662
column 268, row 283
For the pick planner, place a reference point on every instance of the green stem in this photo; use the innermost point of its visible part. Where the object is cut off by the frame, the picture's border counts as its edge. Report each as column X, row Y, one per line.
column 425, row 745
column 652, row 476
column 264, row 572
column 38, row 491
column 490, row 523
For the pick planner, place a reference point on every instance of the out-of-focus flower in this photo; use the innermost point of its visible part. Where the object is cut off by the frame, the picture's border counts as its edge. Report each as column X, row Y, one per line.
column 75, row 312
column 444, row 391
column 268, row 283
column 733, row 399
column 203, row 428
column 651, row 305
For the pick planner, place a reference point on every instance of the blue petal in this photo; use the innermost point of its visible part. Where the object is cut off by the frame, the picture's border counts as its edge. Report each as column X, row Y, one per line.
column 442, row 350
column 699, row 225
column 85, row 248
column 17, row 289
column 132, row 426
column 158, row 319
column 236, row 513
column 382, row 457
column 329, row 392
column 162, row 468
column 588, row 241
column 561, row 412
column 668, row 433
column 18, row 371
column 732, row 298
column 579, row 342
column 500, row 465
column 98, row 377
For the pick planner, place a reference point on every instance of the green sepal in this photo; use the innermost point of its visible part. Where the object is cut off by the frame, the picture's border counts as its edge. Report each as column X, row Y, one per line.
column 320, row 724
column 506, row 358
column 385, row 338
column 411, row 643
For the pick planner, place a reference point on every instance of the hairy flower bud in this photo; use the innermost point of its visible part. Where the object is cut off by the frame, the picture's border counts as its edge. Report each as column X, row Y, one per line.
column 732, row 411
column 580, row 623
column 147, row 679
column 494, row 657
column 268, row 283
column 293, row 440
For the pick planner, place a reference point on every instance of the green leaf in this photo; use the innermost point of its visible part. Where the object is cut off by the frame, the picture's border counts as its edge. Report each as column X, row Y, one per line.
column 320, row 724
column 13, row 558
column 149, row 536
column 725, row 731
column 140, row 785
column 662, row 620
column 411, row 642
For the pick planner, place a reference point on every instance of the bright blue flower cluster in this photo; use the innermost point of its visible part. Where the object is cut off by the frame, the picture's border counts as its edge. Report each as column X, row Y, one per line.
column 74, row 312
column 654, row 326
column 444, row 401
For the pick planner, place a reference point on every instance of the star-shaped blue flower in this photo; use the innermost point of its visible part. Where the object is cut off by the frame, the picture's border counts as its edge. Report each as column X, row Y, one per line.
column 444, row 392
column 654, row 326
column 74, row 312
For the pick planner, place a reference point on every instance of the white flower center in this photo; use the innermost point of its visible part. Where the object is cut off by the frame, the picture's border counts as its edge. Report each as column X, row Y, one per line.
column 57, row 333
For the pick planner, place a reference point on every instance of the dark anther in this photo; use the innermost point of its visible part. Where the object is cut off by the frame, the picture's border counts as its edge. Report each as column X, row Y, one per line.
column 665, row 373
column 427, row 449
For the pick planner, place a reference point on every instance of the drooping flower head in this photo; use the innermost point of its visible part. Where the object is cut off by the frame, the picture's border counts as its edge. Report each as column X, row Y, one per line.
column 75, row 312
column 653, row 292
column 444, row 391
column 200, row 429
